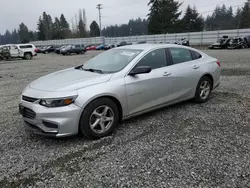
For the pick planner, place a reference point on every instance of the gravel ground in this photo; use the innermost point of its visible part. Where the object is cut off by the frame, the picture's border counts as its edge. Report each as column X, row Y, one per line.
column 185, row 145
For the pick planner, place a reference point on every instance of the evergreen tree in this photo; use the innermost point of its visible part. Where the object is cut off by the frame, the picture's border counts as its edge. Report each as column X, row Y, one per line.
column 23, row 32
column 134, row 27
column 163, row 16
column 191, row 21
column 221, row 19
column 41, row 30
column 81, row 29
column 94, row 29
column 65, row 31
column 237, row 18
column 245, row 16
column 57, row 29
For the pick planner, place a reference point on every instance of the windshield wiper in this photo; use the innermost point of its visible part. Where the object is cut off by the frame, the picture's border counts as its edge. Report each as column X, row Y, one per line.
column 90, row 70
column 93, row 70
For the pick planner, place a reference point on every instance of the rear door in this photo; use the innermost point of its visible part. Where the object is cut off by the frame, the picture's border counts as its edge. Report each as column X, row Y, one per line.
column 150, row 90
column 184, row 71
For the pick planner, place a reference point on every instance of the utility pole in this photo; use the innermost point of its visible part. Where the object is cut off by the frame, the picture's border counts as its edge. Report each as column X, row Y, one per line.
column 99, row 7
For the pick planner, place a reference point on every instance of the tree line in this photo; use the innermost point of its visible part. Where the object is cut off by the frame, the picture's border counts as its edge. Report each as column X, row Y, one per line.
column 164, row 17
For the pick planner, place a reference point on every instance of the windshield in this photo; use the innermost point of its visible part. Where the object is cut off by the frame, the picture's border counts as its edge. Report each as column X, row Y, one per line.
column 112, row 61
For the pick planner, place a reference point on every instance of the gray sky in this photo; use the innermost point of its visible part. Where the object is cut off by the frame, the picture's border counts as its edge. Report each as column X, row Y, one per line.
column 13, row 12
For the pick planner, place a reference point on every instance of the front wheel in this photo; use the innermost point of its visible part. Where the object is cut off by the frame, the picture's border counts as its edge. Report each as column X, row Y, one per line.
column 99, row 118
column 203, row 90
column 68, row 53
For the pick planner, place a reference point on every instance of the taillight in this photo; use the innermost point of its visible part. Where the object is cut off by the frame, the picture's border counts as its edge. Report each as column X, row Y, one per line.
column 218, row 63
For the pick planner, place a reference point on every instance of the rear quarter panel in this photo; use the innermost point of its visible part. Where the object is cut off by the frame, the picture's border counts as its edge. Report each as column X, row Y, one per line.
column 209, row 66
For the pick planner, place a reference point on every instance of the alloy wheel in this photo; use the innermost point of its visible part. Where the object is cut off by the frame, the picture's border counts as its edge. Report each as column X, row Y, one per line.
column 205, row 90
column 101, row 119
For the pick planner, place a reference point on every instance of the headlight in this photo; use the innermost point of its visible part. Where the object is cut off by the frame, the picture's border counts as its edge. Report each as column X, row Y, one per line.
column 57, row 102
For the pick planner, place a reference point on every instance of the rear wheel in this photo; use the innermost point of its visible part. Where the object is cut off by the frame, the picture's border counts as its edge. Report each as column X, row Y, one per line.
column 27, row 56
column 68, row 53
column 203, row 90
column 99, row 118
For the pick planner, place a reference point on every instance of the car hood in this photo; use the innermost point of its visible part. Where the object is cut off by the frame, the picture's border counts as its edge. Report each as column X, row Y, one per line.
column 68, row 80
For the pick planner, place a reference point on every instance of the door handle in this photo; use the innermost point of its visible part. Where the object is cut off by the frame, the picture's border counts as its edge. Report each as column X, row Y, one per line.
column 196, row 67
column 166, row 74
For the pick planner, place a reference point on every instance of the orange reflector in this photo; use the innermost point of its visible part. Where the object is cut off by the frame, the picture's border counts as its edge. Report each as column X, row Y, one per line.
column 68, row 101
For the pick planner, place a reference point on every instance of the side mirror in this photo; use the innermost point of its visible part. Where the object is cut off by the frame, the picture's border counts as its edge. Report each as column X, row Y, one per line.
column 140, row 70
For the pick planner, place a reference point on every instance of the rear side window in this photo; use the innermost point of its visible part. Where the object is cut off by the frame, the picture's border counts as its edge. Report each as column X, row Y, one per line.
column 155, row 59
column 180, row 55
column 25, row 46
column 196, row 55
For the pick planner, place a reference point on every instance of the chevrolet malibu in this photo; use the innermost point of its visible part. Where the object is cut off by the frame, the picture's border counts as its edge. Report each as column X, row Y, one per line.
column 118, row 84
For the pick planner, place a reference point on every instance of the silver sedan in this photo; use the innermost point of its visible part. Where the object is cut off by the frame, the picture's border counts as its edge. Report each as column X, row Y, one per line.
column 117, row 84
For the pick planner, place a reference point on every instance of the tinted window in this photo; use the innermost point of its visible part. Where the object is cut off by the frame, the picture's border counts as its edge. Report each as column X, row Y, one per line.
column 196, row 55
column 25, row 46
column 155, row 59
column 180, row 55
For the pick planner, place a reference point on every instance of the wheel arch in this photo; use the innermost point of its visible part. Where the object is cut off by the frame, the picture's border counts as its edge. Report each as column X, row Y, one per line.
column 210, row 77
column 111, row 97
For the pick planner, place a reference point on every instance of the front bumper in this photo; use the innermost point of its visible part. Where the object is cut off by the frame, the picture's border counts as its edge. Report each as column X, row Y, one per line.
column 56, row 122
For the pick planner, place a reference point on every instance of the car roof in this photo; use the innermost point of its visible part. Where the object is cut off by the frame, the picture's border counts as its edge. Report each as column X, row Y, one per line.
column 146, row 47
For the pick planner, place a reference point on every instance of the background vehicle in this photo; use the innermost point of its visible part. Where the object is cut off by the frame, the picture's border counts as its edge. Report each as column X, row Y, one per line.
column 109, row 46
column 122, row 44
column 5, row 53
column 73, row 49
column 222, row 43
column 237, row 43
column 183, row 42
column 111, row 87
column 58, row 49
column 48, row 49
column 101, row 47
column 141, row 42
column 247, row 41
column 91, row 47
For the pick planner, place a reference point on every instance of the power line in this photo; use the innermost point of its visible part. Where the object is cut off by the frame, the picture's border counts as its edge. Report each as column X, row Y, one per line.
column 225, row 1
column 213, row 10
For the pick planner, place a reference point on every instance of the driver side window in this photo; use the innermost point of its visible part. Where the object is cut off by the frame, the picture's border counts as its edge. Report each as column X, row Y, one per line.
column 155, row 59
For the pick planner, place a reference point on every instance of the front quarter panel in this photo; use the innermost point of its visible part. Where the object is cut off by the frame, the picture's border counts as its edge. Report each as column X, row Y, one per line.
column 114, row 88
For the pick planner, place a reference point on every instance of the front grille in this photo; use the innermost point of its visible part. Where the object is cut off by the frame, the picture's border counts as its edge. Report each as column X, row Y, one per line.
column 26, row 112
column 29, row 99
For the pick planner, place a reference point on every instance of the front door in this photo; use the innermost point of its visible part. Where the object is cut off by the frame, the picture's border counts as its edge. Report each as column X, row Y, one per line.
column 145, row 91
column 14, row 51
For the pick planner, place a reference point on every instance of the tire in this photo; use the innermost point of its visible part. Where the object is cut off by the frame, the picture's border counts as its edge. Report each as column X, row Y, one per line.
column 106, row 124
column 205, row 83
column 27, row 56
column 68, row 53
column 82, row 52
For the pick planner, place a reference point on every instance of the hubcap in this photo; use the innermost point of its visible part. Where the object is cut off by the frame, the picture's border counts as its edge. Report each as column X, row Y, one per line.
column 101, row 119
column 205, row 90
